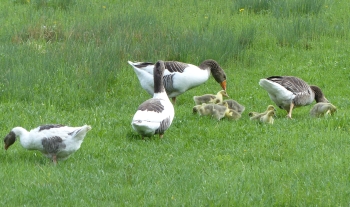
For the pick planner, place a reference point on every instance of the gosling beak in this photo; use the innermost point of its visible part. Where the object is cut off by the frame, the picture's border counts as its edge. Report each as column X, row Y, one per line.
column 223, row 85
column 6, row 146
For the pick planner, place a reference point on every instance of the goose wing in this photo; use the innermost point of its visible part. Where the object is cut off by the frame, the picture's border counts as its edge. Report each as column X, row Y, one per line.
column 291, row 83
column 153, row 116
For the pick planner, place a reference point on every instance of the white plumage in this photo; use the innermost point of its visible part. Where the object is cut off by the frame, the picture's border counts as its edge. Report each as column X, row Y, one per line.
column 278, row 94
column 179, row 77
column 55, row 141
column 155, row 115
column 289, row 92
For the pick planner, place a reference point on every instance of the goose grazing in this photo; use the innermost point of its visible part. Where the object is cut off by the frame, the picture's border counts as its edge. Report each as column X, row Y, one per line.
column 322, row 109
column 264, row 117
column 210, row 98
column 155, row 115
column 289, row 92
column 55, row 141
column 234, row 105
column 179, row 77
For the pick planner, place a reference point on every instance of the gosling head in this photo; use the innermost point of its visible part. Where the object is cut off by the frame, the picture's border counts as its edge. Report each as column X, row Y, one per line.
column 271, row 107
column 224, row 93
column 196, row 108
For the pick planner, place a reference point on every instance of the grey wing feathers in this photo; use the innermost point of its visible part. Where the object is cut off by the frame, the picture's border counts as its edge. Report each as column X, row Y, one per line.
column 53, row 144
column 174, row 66
column 152, row 105
column 143, row 64
column 293, row 84
column 164, row 125
column 50, row 126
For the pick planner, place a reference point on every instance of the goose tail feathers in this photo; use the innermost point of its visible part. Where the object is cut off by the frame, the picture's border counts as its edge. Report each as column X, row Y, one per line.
column 80, row 133
column 276, row 89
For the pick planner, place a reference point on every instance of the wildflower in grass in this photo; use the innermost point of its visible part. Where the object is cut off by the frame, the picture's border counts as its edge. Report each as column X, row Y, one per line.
column 241, row 10
column 104, row 7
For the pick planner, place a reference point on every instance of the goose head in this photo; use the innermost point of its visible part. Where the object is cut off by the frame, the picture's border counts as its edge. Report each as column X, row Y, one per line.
column 9, row 140
column 319, row 96
column 217, row 72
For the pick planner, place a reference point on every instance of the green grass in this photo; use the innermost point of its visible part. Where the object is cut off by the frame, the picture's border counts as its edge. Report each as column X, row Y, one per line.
column 66, row 62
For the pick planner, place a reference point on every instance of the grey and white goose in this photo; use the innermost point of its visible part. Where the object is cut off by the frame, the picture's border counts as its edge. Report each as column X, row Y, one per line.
column 179, row 77
column 289, row 92
column 155, row 115
column 55, row 141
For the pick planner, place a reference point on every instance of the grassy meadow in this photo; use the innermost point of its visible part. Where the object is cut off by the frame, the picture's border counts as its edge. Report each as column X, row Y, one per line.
column 65, row 61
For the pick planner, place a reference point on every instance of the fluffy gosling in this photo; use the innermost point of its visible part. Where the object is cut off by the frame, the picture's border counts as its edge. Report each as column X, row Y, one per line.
column 213, row 110
column 322, row 109
column 210, row 98
column 234, row 105
column 264, row 117
column 269, row 108
column 232, row 114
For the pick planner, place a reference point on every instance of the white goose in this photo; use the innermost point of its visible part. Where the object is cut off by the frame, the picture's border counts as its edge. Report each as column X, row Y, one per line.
column 289, row 92
column 55, row 141
column 179, row 77
column 155, row 115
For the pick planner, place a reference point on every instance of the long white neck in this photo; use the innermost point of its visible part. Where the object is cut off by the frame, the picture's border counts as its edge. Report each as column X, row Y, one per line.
column 19, row 131
column 161, row 95
column 22, row 134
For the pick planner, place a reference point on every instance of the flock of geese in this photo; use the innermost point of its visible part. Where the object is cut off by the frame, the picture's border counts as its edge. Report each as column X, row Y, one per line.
column 169, row 79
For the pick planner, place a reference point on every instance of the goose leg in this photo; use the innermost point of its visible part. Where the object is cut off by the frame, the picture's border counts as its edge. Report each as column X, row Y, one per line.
column 173, row 99
column 161, row 136
column 289, row 115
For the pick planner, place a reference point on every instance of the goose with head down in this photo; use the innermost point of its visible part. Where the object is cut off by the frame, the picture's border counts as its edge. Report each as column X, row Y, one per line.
column 178, row 76
column 55, row 141
column 289, row 92
column 155, row 115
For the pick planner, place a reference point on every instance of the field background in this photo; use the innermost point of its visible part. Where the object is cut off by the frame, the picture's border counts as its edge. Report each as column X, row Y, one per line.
column 65, row 61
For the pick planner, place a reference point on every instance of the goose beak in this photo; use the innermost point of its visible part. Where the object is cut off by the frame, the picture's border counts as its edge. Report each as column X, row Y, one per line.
column 223, row 85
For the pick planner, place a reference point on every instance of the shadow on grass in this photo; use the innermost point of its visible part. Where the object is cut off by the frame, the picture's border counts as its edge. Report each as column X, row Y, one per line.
column 131, row 136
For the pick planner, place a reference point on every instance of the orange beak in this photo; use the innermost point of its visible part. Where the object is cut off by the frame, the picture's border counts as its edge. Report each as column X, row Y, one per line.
column 223, row 85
